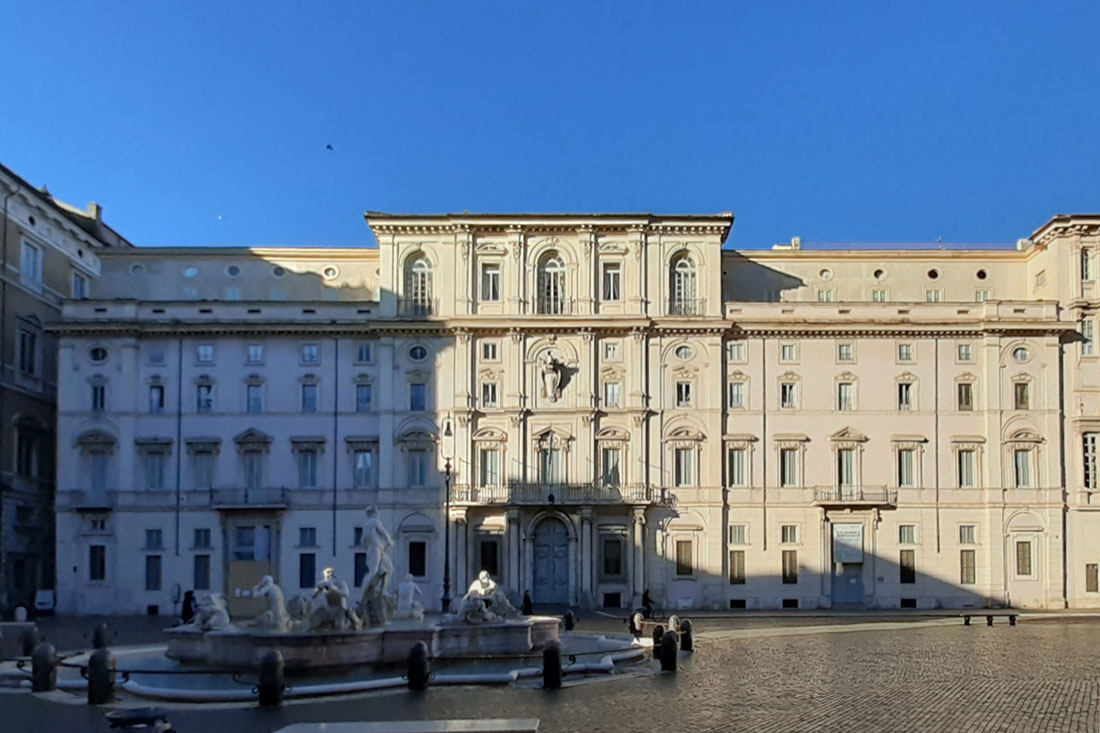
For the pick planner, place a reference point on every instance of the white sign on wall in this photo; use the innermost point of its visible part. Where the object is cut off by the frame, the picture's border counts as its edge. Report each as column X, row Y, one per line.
column 847, row 543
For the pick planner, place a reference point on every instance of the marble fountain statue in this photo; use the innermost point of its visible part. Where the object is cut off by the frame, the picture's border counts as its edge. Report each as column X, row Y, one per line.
column 327, row 630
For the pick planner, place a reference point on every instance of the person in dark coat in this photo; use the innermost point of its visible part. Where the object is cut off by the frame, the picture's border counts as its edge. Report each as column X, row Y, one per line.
column 647, row 604
column 189, row 607
column 528, row 606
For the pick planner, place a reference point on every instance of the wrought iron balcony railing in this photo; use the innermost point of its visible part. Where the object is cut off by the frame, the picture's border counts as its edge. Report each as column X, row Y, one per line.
column 556, row 493
column 417, row 307
column 554, row 306
column 852, row 495
column 685, row 307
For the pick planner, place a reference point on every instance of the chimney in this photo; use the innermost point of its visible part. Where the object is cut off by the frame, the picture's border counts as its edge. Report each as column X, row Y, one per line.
column 95, row 211
column 796, row 242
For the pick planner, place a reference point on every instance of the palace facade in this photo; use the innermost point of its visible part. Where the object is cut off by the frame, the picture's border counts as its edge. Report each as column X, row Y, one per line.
column 607, row 404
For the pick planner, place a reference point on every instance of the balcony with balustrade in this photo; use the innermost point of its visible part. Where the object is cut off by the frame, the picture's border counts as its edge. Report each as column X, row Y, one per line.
column 553, row 306
column 856, row 497
column 417, row 307
column 546, row 494
column 686, row 307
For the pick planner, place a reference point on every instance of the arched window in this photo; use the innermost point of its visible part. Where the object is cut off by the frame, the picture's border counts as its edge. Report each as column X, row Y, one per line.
column 551, row 285
column 682, row 300
column 418, row 287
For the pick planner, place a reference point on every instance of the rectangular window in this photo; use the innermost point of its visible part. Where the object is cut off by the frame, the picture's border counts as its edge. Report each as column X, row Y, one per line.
column 307, row 536
column 735, row 395
column 1088, row 444
column 152, row 572
column 30, row 266
column 26, row 455
column 551, row 468
column 307, row 469
column 612, row 281
column 966, row 469
column 612, row 557
column 612, row 351
column 490, row 557
column 735, row 467
column 907, row 534
column 611, row 465
column 967, row 567
column 735, row 351
column 418, row 558
column 846, row 468
column 845, row 396
column 489, row 394
column 97, row 562
column 739, row 534
column 157, row 356
column 683, row 394
column 255, row 354
column 933, row 296
column 311, row 353
column 156, row 398
column 364, row 469
column 788, row 395
column 905, row 352
column 154, row 465
column 968, row 534
column 255, row 399
column 907, row 566
column 1086, row 265
column 878, row 296
column 364, row 353
column 80, row 286
column 1023, row 557
column 253, row 469
column 360, row 568
column 307, row 570
column 418, row 467
column 737, row 567
column 790, row 567
column 611, row 394
column 685, row 466
column 99, row 397
column 363, row 395
column 98, row 471
column 788, row 467
column 201, row 574
column 489, row 467
column 788, row 534
column 826, row 295
column 309, row 398
column 980, row 296
column 906, row 464
column 28, row 352
column 1091, row 580
column 965, row 394
column 490, row 282
column 905, row 396
column 788, row 352
column 232, row 293
column 1040, row 279
column 1021, row 398
column 204, row 398
column 965, row 352
column 1022, row 468
column 201, row 539
column 488, row 350
column 1088, row 337
column 204, row 353
column 418, row 396
column 685, row 563
column 154, row 539
column 845, row 352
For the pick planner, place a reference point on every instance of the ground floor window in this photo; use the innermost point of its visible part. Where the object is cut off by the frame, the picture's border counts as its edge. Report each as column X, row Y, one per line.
column 1091, row 585
column 490, row 557
column 685, row 564
column 418, row 559
column 97, row 562
column 737, row 567
column 307, row 570
column 202, row 572
column 360, row 568
column 790, row 566
column 967, row 570
column 1023, row 557
column 612, row 548
column 907, row 566
column 152, row 572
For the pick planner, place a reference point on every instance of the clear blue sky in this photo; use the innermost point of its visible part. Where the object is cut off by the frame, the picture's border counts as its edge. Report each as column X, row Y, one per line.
column 205, row 122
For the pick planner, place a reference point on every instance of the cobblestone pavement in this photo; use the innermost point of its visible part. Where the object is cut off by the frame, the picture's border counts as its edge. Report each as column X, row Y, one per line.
column 1037, row 676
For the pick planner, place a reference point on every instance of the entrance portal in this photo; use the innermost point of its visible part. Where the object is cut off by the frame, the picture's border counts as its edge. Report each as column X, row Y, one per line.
column 551, row 563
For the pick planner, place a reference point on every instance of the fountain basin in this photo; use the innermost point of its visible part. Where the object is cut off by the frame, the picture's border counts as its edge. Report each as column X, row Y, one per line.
column 239, row 649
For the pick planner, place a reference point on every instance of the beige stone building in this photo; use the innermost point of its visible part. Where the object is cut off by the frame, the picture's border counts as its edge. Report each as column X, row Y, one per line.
column 48, row 253
column 624, row 404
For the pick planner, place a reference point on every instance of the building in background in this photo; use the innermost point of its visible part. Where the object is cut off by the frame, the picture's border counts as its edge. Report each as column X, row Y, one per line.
column 633, row 407
column 49, row 252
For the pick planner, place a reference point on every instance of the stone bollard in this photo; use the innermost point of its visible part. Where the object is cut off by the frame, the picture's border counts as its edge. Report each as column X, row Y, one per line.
column 551, row 666
column 658, row 632
column 44, row 668
column 29, row 639
column 101, row 637
column 272, row 680
column 687, row 643
column 636, row 625
column 418, row 670
column 101, row 677
column 668, row 652
column 570, row 620
column 674, row 623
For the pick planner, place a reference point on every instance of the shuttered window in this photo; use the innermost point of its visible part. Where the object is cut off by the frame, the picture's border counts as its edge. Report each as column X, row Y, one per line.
column 1023, row 557
column 737, row 567
column 684, row 562
column 790, row 566
column 966, row 567
column 1091, row 584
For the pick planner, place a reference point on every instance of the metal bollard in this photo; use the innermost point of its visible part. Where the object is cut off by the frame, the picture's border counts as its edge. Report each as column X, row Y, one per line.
column 418, row 669
column 272, row 680
column 551, row 666
column 101, row 636
column 570, row 620
column 668, row 652
column 687, row 644
column 44, row 668
column 29, row 639
column 988, row 620
column 101, row 677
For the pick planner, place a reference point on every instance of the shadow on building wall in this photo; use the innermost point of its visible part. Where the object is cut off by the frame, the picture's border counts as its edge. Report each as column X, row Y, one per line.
column 748, row 281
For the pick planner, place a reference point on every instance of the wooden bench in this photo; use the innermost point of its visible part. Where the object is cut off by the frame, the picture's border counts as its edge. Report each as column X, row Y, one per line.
column 989, row 615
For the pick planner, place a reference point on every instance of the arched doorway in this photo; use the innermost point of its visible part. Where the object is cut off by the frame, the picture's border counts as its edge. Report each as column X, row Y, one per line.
column 551, row 571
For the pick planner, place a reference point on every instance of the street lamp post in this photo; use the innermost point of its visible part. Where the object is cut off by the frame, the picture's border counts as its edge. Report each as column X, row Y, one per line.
column 447, row 448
